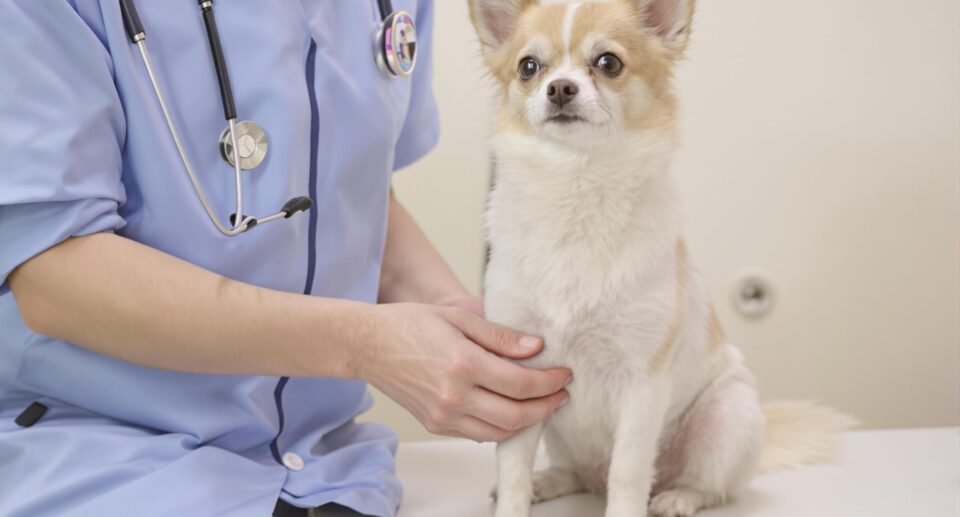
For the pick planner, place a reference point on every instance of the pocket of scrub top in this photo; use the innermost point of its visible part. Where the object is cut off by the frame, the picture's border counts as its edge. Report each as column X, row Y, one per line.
column 28, row 345
column 42, row 365
column 78, row 377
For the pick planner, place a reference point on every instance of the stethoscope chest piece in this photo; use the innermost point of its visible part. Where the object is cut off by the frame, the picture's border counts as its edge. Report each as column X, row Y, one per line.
column 252, row 144
column 397, row 44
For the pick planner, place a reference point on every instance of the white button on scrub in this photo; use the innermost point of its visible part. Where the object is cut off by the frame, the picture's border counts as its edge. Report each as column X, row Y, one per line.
column 292, row 461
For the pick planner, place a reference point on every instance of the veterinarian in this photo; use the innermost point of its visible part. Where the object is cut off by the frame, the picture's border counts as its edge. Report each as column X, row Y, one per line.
column 196, row 225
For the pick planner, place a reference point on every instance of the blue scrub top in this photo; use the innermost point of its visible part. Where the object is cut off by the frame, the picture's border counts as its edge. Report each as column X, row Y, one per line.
column 85, row 149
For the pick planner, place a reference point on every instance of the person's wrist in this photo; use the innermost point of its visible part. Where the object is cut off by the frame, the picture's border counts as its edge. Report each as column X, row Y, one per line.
column 463, row 300
column 366, row 341
column 438, row 291
column 336, row 340
column 448, row 296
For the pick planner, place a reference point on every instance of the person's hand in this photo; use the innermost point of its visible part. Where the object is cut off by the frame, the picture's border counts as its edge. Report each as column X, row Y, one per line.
column 442, row 364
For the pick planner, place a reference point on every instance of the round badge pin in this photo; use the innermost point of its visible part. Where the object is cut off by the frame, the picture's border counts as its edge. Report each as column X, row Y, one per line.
column 399, row 43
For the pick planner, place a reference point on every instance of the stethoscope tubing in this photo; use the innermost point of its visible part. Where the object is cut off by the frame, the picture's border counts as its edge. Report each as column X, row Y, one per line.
column 386, row 9
column 240, row 226
column 137, row 34
column 134, row 28
column 219, row 63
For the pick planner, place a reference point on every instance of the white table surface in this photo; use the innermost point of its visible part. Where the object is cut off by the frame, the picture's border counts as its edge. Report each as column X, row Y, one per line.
column 895, row 473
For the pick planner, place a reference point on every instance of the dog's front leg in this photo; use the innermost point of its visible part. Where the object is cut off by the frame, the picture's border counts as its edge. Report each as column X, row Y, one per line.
column 515, row 472
column 635, row 447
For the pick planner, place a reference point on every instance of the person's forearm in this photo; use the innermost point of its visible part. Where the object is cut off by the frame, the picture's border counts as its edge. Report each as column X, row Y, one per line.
column 120, row 298
column 445, row 365
column 413, row 270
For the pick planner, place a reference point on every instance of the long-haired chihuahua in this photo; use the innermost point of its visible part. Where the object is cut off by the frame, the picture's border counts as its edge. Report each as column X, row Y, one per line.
column 585, row 231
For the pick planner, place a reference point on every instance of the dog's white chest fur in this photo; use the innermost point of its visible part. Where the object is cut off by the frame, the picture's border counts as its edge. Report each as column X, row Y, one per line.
column 583, row 254
column 586, row 252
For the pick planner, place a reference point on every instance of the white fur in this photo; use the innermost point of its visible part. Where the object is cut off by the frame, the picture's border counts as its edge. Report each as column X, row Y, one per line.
column 583, row 254
column 584, row 237
column 568, row 16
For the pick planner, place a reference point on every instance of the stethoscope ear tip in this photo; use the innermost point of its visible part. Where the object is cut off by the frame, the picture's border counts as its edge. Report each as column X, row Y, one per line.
column 296, row 205
column 290, row 208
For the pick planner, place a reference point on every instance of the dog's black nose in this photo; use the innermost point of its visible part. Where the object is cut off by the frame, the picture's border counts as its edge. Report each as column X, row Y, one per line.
column 561, row 91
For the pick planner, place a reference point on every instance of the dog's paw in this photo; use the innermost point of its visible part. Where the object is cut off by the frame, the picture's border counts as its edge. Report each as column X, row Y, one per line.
column 511, row 506
column 676, row 503
column 550, row 484
column 553, row 483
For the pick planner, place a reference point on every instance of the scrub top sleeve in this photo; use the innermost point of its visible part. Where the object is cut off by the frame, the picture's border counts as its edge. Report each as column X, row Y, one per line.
column 61, row 132
column 421, row 128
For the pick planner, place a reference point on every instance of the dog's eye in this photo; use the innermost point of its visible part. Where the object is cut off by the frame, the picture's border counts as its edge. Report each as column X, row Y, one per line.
column 528, row 68
column 609, row 64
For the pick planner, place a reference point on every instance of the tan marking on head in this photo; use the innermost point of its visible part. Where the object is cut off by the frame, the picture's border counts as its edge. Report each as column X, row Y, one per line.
column 539, row 30
column 663, row 355
column 543, row 22
column 644, row 88
column 616, row 26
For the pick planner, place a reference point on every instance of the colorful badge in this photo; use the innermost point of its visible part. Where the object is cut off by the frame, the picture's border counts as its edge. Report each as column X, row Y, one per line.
column 401, row 44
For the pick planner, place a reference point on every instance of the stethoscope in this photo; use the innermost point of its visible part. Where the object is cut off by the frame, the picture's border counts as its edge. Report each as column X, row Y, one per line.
column 243, row 145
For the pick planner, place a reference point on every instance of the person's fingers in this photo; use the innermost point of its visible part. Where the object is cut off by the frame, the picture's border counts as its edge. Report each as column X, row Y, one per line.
column 496, row 338
column 513, row 415
column 480, row 431
column 519, row 383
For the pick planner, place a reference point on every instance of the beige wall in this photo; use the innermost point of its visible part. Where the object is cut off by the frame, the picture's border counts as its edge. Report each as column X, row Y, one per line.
column 821, row 147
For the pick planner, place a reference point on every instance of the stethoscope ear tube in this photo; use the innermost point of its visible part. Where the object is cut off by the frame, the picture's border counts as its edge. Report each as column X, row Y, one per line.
column 295, row 206
column 291, row 208
column 131, row 20
column 386, row 9
column 241, row 223
column 219, row 63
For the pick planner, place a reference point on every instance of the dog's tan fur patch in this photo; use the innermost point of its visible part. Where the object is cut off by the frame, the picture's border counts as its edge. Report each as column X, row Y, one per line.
column 663, row 354
column 715, row 329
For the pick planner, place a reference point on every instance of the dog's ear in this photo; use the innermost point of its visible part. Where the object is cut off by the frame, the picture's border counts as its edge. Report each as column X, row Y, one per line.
column 670, row 20
column 496, row 20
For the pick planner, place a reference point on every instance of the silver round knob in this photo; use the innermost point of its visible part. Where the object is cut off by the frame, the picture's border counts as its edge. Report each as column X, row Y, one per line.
column 252, row 144
column 753, row 294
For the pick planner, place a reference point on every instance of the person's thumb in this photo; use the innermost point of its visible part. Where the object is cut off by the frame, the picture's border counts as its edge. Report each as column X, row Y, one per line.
column 499, row 339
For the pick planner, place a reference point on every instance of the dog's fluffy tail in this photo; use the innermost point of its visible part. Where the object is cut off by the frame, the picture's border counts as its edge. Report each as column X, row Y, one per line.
column 801, row 433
